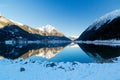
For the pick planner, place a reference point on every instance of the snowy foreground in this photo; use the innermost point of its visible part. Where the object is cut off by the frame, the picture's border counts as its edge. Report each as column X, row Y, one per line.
column 37, row 70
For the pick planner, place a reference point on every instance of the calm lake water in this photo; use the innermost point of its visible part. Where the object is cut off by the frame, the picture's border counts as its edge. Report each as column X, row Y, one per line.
column 62, row 52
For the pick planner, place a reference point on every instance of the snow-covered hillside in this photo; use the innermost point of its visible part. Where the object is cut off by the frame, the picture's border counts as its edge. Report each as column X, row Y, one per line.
column 106, row 18
column 37, row 70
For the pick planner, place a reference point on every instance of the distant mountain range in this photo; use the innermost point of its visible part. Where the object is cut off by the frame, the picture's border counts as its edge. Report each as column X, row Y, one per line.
column 73, row 37
column 15, row 31
column 106, row 27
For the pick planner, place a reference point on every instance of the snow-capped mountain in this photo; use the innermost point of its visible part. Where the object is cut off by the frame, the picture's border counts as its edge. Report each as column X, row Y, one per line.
column 105, row 28
column 107, row 18
column 18, row 31
column 73, row 37
column 49, row 30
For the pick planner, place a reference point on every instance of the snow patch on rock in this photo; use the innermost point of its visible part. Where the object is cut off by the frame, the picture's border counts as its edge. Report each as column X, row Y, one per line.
column 48, row 28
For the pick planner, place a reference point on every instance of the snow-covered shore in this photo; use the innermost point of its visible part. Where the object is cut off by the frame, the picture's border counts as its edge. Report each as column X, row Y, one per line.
column 101, row 42
column 37, row 70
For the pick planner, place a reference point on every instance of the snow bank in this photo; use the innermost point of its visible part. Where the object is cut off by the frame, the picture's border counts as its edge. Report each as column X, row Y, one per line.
column 36, row 70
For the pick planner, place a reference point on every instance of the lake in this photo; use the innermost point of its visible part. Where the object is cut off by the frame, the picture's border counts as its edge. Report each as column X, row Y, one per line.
column 61, row 52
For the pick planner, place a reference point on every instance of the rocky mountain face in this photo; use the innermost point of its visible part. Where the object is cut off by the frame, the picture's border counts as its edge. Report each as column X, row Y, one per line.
column 105, row 28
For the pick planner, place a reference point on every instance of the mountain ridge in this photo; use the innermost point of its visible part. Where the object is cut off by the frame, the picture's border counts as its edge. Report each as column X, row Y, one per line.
column 20, row 32
column 106, row 27
column 4, row 22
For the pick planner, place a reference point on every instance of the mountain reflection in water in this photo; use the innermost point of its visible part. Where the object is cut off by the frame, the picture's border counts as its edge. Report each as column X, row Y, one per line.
column 27, row 50
column 101, row 53
column 43, row 52
column 49, row 52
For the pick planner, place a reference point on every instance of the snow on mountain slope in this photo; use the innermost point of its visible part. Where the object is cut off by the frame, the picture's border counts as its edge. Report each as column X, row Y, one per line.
column 49, row 30
column 4, row 22
column 106, row 27
column 17, row 22
column 106, row 18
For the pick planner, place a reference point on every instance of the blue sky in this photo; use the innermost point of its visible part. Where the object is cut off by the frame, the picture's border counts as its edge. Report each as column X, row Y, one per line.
column 71, row 17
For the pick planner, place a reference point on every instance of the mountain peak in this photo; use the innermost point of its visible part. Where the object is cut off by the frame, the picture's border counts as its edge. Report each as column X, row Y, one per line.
column 49, row 30
column 49, row 26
